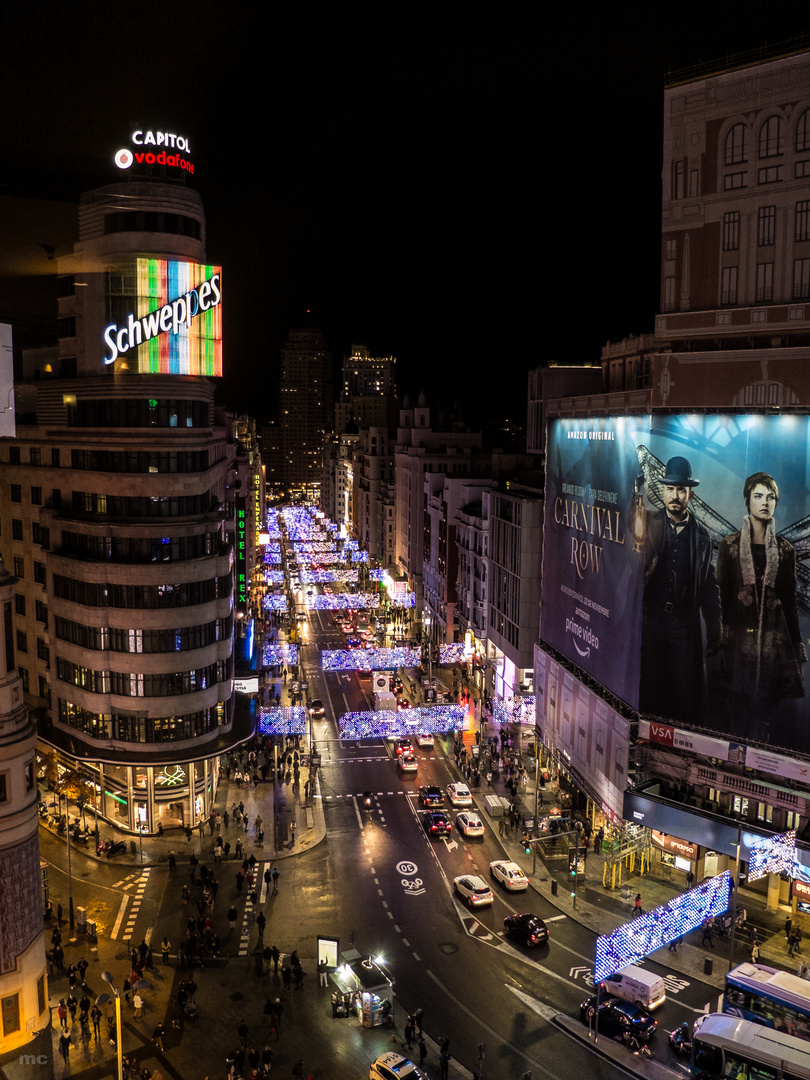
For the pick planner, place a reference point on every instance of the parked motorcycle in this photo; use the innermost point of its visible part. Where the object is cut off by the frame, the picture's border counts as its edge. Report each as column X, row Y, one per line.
column 111, row 847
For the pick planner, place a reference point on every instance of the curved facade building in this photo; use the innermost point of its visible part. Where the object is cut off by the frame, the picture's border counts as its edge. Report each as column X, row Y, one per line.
column 115, row 498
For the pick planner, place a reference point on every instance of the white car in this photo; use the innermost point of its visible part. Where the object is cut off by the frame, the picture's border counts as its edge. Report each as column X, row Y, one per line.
column 470, row 823
column 459, row 795
column 425, row 740
column 473, row 889
column 393, row 1066
column 509, row 875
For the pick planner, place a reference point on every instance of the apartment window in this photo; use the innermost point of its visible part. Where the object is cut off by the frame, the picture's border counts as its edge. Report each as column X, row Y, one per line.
column 771, row 174
column 19, row 603
column 16, row 529
column 22, row 641
column 3, row 787
column 732, row 181
column 770, row 137
column 23, row 673
column 803, row 220
column 678, row 175
column 36, row 496
column 55, row 457
column 728, row 292
column 801, row 169
column 41, row 611
column 801, row 279
column 671, row 250
column 43, row 652
column 56, row 499
column 694, row 183
column 735, row 149
column 35, row 455
column 740, row 805
column 791, row 817
column 669, row 294
column 764, row 283
column 764, row 812
column 40, row 574
column 19, row 566
column 16, row 493
column 14, row 455
column 766, row 226
column 731, row 231
column 11, row 1014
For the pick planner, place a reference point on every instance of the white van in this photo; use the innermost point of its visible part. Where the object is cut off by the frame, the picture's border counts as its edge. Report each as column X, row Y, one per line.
column 634, row 984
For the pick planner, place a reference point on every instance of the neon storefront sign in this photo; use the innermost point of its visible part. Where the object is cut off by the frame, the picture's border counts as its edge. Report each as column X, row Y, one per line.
column 176, row 328
column 164, row 143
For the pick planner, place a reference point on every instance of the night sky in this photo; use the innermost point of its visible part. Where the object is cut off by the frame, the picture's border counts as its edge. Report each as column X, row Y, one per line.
column 473, row 188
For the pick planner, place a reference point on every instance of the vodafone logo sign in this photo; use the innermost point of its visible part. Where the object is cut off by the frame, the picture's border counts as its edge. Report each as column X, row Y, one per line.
column 155, row 148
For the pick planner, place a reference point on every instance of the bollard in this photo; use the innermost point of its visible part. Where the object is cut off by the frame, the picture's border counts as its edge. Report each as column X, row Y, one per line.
column 708, row 965
column 553, row 887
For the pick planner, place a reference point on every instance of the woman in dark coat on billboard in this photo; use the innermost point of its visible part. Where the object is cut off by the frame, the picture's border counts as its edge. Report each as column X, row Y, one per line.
column 763, row 650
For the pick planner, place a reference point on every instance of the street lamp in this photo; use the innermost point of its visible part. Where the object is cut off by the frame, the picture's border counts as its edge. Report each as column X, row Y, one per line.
column 102, row 999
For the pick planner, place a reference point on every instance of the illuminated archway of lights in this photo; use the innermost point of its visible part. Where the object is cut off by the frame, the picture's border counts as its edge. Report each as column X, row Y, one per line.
column 642, row 936
column 313, row 547
column 319, row 577
column 378, row 574
column 272, row 558
column 359, row 556
column 274, row 602
column 351, row 545
column 283, row 721
column 283, row 653
column 428, row 719
column 343, row 601
column 772, row 855
column 274, row 577
column 517, row 710
column 456, row 652
column 369, row 659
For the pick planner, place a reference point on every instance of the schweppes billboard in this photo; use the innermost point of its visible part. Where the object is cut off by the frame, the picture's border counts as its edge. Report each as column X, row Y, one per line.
column 175, row 325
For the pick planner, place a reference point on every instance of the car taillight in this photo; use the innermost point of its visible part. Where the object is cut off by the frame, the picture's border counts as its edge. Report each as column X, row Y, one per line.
column 534, row 937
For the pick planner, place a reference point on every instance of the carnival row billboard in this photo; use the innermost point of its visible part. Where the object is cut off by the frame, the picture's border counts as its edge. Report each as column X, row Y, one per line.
column 674, row 566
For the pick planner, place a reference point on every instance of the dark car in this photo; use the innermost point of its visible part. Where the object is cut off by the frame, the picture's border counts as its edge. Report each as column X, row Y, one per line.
column 527, row 928
column 315, row 706
column 617, row 1017
column 354, row 643
column 431, row 796
column 437, row 823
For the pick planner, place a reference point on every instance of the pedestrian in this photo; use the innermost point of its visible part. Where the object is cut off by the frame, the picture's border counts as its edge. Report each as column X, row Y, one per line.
column 137, row 1001
column 172, row 860
column 754, row 953
column 788, row 924
column 95, row 1016
column 637, row 908
column 501, row 825
column 444, row 1065
column 275, row 880
column 72, row 1005
column 232, row 916
column 292, row 834
column 59, row 918
column 225, row 819
column 422, row 1049
column 157, row 1037
column 792, row 941
column 276, row 958
column 323, row 974
column 64, row 1046
column 690, row 880
column 188, row 834
column 242, row 1032
column 408, row 1032
column 165, row 945
column 61, row 1012
column 707, row 933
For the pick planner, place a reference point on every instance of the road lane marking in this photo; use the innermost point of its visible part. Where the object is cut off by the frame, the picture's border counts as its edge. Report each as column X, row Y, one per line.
column 121, row 910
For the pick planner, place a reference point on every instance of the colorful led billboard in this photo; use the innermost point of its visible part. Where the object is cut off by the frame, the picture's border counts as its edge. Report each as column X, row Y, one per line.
column 168, row 318
column 674, row 566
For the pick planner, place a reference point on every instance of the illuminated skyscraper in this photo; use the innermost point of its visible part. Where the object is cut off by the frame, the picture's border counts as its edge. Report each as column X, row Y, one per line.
column 306, row 408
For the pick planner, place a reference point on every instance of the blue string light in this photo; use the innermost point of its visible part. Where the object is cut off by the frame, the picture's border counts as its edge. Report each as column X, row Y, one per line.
column 772, row 855
column 638, row 938
column 274, row 577
column 426, row 720
column 516, row 710
column 369, row 659
column 283, row 721
column 378, row 574
column 360, row 556
column 281, row 653
column 316, row 577
column 342, row 601
column 274, row 602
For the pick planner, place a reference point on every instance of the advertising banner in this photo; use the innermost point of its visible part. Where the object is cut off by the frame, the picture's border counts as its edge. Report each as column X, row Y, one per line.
column 674, row 566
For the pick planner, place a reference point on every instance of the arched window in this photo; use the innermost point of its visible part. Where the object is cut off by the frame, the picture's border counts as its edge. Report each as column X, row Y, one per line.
column 736, row 145
column 803, row 132
column 770, row 137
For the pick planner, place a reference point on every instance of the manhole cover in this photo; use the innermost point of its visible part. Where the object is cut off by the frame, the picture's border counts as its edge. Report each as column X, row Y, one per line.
column 448, row 947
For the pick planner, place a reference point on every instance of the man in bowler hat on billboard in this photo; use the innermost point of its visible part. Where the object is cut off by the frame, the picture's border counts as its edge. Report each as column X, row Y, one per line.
column 680, row 586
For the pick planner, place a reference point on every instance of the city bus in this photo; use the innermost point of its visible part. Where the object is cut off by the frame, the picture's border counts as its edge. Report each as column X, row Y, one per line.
column 726, row 1047
column 769, row 996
